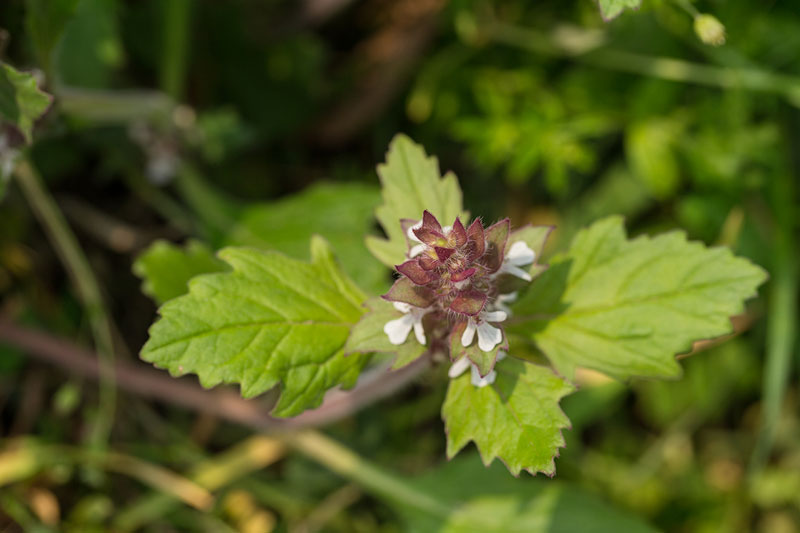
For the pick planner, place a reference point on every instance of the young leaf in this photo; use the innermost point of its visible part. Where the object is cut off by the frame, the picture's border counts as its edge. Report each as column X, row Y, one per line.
column 340, row 212
column 610, row 9
column 21, row 101
column 411, row 184
column 165, row 268
column 271, row 320
column 476, row 499
column 626, row 307
column 516, row 419
column 368, row 335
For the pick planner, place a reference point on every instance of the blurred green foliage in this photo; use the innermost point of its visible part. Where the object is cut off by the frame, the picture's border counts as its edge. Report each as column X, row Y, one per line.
column 547, row 113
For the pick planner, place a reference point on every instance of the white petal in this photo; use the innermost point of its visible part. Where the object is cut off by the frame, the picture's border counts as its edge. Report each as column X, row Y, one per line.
column 500, row 355
column 479, row 381
column 458, row 367
column 488, row 336
column 508, row 298
column 402, row 306
column 515, row 271
column 469, row 333
column 519, row 254
column 398, row 329
column 419, row 331
column 446, row 230
column 410, row 232
column 494, row 316
column 416, row 250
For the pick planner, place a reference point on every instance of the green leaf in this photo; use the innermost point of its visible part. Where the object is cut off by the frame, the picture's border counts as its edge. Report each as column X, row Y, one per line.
column 21, row 101
column 368, row 336
column 271, row 320
column 610, row 9
column 411, row 183
column 476, row 499
column 165, row 268
column 340, row 212
column 516, row 419
column 45, row 21
column 626, row 307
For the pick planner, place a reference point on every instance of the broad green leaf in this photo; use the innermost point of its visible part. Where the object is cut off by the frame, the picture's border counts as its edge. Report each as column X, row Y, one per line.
column 166, row 268
column 517, row 418
column 45, row 21
column 21, row 101
column 610, row 9
column 340, row 212
column 411, row 184
column 368, row 336
column 476, row 499
column 90, row 48
column 626, row 307
column 271, row 320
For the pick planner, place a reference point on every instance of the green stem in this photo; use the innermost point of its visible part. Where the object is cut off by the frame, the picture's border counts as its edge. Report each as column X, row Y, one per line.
column 587, row 48
column 177, row 16
column 344, row 462
column 782, row 320
column 77, row 265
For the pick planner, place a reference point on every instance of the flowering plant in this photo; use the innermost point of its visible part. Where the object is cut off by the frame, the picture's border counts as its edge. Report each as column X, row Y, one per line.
column 474, row 296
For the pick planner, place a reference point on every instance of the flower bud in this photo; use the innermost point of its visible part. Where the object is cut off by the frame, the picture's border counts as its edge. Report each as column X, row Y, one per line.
column 709, row 29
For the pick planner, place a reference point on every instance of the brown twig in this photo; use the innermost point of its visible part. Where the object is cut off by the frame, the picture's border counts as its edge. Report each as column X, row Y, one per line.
column 222, row 402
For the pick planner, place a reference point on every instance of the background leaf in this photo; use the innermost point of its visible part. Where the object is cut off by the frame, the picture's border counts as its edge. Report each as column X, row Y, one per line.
column 271, row 320
column 610, row 9
column 516, row 419
column 411, row 183
column 166, row 268
column 21, row 101
column 487, row 500
column 626, row 307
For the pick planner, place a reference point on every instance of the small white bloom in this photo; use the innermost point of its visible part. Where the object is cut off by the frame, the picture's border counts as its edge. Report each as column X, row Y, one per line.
column 488, row 335
column 417, row 248
column 460, row 366
column 399, row 328
column 502, row 301
column 518, row 255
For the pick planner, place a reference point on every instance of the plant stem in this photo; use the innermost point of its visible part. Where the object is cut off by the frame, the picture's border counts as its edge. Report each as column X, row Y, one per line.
column 586, row 47
column 77, row 265
column 175, row 46
column 782, row 318
column 350, row 465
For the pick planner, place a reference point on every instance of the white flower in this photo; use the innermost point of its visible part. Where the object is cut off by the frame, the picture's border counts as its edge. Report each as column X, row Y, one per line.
column 399, row 328
column 462, row 364
column 518, row 255
column 488, row 335
column 502, row 301
column 419, row 247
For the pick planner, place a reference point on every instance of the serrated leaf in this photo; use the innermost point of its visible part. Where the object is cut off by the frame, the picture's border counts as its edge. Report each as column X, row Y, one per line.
column 368, row 335
column 411, row 184
column 626, row 307
column 516, row 419
column 21, row 101
column 166, row 268
column 610, row 9
column 476, row 499
column 271, row 320
column 340, row 212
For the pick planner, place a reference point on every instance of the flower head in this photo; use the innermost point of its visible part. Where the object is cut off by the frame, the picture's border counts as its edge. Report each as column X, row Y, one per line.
column 451, row 277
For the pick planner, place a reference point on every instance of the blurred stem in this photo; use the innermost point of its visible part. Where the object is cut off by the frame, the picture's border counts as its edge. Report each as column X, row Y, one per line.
column 77, row 265
column 782, row 318
column 350, row 465
column 688, row 7
column 586, row 47
column 175, row 38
